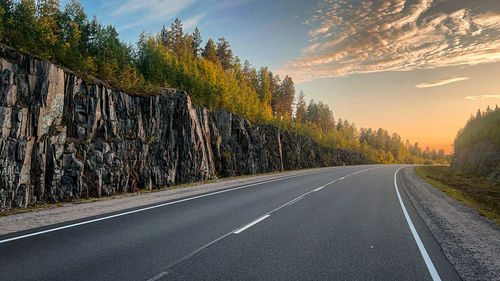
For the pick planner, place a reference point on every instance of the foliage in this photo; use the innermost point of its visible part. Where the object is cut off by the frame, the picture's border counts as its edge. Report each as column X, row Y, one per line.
column 173, row 58
column 472, row 190
column 477, row 145
column 484, row 127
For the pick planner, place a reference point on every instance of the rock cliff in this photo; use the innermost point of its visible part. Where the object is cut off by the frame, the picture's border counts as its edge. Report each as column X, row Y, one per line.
column 62, row 139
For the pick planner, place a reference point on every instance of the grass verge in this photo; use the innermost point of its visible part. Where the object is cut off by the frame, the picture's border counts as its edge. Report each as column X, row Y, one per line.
column 474, row 191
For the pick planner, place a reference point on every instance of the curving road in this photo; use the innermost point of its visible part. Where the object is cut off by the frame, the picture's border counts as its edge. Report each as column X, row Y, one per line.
column 343, row 224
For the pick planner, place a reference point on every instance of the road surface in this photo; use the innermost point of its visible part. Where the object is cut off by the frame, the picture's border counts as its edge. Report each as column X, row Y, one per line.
column 348, row 223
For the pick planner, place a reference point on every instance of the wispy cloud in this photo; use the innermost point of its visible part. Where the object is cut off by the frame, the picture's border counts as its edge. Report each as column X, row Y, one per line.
column 318, row 31
column 192, row 22
column 310, row 48
column 371, row 36
column 441, row 82
column 482, row 97
column 230, row 4
column 151, row 11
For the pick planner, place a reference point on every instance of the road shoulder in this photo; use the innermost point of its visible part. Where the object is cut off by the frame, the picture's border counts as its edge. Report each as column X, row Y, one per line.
column 44, row 217
column 470, row 242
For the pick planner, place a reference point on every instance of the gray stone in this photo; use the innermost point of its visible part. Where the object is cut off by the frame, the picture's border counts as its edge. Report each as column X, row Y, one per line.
column 64, row 139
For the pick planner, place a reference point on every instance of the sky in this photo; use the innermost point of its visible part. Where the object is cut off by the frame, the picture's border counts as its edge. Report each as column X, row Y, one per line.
column 416, row 67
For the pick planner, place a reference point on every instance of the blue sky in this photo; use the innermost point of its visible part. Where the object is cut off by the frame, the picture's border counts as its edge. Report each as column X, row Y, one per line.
column 265, row 32
column 416, row 67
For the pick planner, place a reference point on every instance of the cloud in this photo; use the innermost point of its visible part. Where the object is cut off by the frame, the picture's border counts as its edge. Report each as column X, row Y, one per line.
column 482, row 97
column 365, row 36
column 192, row 22
column 318, row 31
column 230, row 4
column 153, row 10
column 441, row 82
column 310, row 48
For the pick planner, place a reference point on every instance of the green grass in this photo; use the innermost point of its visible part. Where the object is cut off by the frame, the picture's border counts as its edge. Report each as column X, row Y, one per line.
column 474, row 191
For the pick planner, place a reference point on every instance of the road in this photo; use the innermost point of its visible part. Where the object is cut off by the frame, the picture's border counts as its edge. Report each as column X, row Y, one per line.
column 344, row 224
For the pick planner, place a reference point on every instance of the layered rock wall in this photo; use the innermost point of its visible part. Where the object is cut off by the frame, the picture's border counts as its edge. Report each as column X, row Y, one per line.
column 63, row 139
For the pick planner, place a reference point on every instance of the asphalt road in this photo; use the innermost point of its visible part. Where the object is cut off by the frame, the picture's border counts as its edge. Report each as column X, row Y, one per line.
column 343, row 224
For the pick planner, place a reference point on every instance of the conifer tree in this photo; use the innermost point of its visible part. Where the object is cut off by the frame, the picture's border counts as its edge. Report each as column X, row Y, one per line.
column 209, row 52
column 196, row 41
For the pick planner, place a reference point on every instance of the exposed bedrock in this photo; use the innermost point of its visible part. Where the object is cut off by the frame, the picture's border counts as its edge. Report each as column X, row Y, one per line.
column 63, row 139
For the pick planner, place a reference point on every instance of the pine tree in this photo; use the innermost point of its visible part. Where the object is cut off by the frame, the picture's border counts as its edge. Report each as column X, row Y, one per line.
column 165, row 37
column 247, row 70
column 177, row 35
column 196, row 41
column 209, row 52
column 300, row 111
column 263, row 88
column 288, row 96
column 224, row 53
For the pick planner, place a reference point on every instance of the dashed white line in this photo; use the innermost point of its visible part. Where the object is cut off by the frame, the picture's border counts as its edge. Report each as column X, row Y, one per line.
column 319, row 188
column 295, row 201
column 157, row 277
column 251, row 224
column 428, row 262
column 239, row 230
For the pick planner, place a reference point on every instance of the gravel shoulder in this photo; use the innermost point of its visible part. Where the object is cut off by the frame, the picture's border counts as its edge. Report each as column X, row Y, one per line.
column 69, row 212
column 470, row 242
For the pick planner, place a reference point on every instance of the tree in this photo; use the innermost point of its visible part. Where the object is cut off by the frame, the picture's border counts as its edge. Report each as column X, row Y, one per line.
column 224, row 53
column 165, row 37
column 312, row 112
column 196, row 41
column 300, row 111
column 325, row 119
column 6, row 21
column 288, row 96
column 209, row 52
column 26, row 25
column 276, row 93
column 176, row 35
column 169, row 58
column 247, row 70
column 264, row 86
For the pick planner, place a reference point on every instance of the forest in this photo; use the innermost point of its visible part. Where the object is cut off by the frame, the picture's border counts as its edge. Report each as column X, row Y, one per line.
column 208, row 70
column 477, row 145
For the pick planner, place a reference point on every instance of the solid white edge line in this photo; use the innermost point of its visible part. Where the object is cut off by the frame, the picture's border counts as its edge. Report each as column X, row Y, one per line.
column 148, row 208
column 156, row 206
column 251, row 224
column 428, row 262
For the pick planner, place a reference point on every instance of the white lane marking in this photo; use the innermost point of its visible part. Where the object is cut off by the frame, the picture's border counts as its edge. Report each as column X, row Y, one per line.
column 421, row 247
column 232, row 231
column 309, row 192
column 149, row 208
column 295, row 201
column 251, row 224
column 157, row 277
column 319, row 188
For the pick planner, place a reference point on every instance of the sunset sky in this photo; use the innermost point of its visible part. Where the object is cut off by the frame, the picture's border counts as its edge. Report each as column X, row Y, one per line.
column 419, row 68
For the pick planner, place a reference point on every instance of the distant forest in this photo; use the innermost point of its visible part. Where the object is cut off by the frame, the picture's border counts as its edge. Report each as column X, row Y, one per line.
column 209, row 71
column 477, row 145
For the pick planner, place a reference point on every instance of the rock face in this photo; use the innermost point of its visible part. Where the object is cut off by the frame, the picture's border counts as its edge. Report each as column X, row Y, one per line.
column 62, row 139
